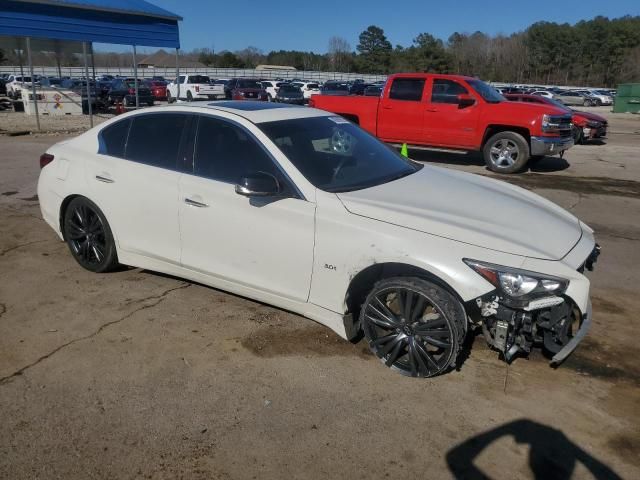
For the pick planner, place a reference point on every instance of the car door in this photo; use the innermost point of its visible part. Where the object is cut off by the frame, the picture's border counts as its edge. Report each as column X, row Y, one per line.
column 134, row 179
column 401, row 111
column 263, row 243
column 446, row 122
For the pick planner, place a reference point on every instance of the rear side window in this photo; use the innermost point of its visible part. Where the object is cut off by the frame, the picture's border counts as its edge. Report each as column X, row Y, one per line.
column 154, row 139
column 409, row 89
column 226, row 152
column 446, row 91
column 114, row 138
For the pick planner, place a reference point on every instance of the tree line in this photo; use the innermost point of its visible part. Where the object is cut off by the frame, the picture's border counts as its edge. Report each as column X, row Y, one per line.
column 600, row 51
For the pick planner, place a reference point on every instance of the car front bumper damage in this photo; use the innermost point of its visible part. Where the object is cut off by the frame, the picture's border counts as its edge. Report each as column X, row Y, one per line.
column 550, row 145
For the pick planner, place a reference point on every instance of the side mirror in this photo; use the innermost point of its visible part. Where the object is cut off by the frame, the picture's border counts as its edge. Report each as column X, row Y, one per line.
column 258, row 184
column 465, row 100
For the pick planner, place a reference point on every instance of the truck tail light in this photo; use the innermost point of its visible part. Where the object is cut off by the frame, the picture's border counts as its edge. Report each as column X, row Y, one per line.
column 197, row 88
column 45, row 159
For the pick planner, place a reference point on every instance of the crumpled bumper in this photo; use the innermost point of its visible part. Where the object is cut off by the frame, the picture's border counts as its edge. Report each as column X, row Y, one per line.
column 559, row 357
column 550, row 145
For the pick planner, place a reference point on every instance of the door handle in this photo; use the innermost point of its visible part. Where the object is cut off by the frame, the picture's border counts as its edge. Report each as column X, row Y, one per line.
column 195, row 203
column 100, row 178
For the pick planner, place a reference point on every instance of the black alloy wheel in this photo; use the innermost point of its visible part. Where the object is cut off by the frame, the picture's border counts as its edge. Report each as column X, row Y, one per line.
column 413, row 326
column 88, row 236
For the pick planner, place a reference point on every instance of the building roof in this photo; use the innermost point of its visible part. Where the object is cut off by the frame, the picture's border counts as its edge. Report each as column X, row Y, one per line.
column 130, row 7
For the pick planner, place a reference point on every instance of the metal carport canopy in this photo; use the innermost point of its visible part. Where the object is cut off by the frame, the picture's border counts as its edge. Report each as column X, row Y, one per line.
column 124, row 22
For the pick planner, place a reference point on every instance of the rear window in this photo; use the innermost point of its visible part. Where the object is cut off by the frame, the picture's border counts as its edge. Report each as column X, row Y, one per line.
column 154, row 139
column 198, row 79
column 112, row 139
column 409, row 89
column 248, row 84
column 313, row 85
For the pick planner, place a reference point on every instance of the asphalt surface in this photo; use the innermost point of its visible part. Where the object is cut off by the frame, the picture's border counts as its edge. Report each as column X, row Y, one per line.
column 135, row 374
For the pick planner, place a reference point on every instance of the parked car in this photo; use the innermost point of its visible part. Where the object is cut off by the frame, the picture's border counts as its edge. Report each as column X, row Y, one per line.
column 572, row 97
column 358, row 88
column 600, row 98
column 457, row 112
column 543, row 93
column 123, row 90
column 586, row 125
column 308, row 88
column 410, row 256
column 271, row 87
column 159, row 78
column 14, row 84
column 158, row 89
column 373, row 90
column 290, row 93
column 332, row 87
column 246, row 89
column 194, row 87
column 3, row 86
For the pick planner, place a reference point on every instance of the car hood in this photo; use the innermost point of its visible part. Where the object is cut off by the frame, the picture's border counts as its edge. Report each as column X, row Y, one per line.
column 533, row 108
column 590, row 116
column 472, row 209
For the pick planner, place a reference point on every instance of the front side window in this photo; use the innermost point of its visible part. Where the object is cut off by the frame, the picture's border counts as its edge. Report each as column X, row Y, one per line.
column 226, row 152
column 409, row 89
column 154, row 139
column 487, row 92
column 335, row 155
column 446, row 91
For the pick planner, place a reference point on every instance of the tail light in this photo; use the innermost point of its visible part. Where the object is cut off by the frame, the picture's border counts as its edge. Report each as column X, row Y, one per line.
column 45, row 159
column 312, row 102
column 197, row 88
column 132, row 91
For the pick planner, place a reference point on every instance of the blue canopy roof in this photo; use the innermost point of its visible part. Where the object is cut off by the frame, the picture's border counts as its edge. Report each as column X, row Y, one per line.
column 125, row 22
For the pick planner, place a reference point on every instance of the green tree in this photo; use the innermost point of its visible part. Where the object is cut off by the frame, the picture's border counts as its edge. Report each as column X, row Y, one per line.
column 207, row 57
column 429, row 55
column 229, row 60
column 375, row 51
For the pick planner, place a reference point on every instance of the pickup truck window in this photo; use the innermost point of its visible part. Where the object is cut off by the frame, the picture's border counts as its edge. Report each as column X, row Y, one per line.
column 198, row 79
column 489, row 94
column 409, row 89
column 335, row 155
column 446, row 91
column 181, row 79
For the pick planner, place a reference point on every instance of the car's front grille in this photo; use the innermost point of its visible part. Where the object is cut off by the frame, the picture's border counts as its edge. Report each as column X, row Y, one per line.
column 563, row 123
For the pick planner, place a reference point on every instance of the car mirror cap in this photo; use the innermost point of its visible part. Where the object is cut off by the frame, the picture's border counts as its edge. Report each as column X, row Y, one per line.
column 258, row 184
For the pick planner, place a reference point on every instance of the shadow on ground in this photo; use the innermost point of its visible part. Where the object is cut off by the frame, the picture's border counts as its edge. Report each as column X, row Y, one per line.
column 552, row 455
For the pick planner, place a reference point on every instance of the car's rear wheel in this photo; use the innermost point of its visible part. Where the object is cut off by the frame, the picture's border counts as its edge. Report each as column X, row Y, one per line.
column 506, row 152
column 413, row 326
column 88, row 236
column 189, row 97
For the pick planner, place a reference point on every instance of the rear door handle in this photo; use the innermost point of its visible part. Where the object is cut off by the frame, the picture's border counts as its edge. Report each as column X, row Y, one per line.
column 104, row 179
column 195, row 203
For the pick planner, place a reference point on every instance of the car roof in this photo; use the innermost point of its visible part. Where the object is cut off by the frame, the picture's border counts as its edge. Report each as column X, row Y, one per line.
column 255, row 112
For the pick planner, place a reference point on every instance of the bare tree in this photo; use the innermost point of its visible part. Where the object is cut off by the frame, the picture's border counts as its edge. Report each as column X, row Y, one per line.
column 339, row 53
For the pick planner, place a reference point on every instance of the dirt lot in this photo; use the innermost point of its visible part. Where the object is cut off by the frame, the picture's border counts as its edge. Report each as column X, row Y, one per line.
column 138, row 375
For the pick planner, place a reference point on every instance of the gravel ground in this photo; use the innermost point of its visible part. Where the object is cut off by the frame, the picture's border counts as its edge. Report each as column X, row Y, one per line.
column 134, row 374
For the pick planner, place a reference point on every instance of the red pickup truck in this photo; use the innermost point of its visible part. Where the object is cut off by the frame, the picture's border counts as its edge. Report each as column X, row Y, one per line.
column 456, row 112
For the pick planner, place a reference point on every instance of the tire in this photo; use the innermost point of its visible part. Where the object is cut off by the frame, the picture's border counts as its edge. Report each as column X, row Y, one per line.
column 170, row 99
column 89, row 237
column 578, row 135
column 506, row 152
column 413, row 326
column 587, row 103
column 189, row 97
column 598, row 102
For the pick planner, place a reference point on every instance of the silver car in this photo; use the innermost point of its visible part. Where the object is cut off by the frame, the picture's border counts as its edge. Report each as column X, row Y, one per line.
column 576, row 98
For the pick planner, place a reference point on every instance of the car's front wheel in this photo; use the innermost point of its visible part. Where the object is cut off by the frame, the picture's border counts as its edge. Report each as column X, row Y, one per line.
column 413, row 326
column 88, row 236
column 506, row 152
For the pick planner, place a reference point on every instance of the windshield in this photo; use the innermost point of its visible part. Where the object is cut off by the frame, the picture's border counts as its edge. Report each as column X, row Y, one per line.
column 249, row 84
column 335, row 155
column 558, row 104
column 487, row 92
column 289, row 88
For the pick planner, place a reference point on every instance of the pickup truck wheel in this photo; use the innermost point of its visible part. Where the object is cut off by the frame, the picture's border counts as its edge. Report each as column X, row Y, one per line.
column 413, row 326
column 170, row 99
column 506, row 152
column 189, row 97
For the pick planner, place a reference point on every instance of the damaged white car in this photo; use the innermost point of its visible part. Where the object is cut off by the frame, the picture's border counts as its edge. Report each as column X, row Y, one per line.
column 303, row 210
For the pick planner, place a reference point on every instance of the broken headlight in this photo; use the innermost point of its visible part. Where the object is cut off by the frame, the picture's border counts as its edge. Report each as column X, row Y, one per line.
column 518, row 284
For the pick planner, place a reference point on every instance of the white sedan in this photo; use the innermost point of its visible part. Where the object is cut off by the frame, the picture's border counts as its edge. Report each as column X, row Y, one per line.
column 543, row 93
column 301, row 209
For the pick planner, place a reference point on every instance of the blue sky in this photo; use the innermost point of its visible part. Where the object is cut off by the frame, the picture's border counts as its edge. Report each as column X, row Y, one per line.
column 308, row 25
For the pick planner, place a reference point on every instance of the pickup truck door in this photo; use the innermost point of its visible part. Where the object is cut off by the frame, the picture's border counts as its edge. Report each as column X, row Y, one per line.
column 263, row 243
column 446, row 122
column 401, row 111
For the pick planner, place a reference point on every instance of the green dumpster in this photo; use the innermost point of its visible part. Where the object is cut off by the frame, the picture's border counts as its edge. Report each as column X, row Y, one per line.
column 627, row 98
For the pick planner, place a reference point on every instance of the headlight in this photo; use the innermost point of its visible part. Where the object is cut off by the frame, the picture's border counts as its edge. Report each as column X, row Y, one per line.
column 516, row 283
column 593, row 124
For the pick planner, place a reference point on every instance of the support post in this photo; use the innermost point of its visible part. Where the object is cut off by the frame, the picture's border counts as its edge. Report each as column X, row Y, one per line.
column 33, row 82
column 135, row 76
column 93, row 60
column 177, row 76
column 86, row 75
